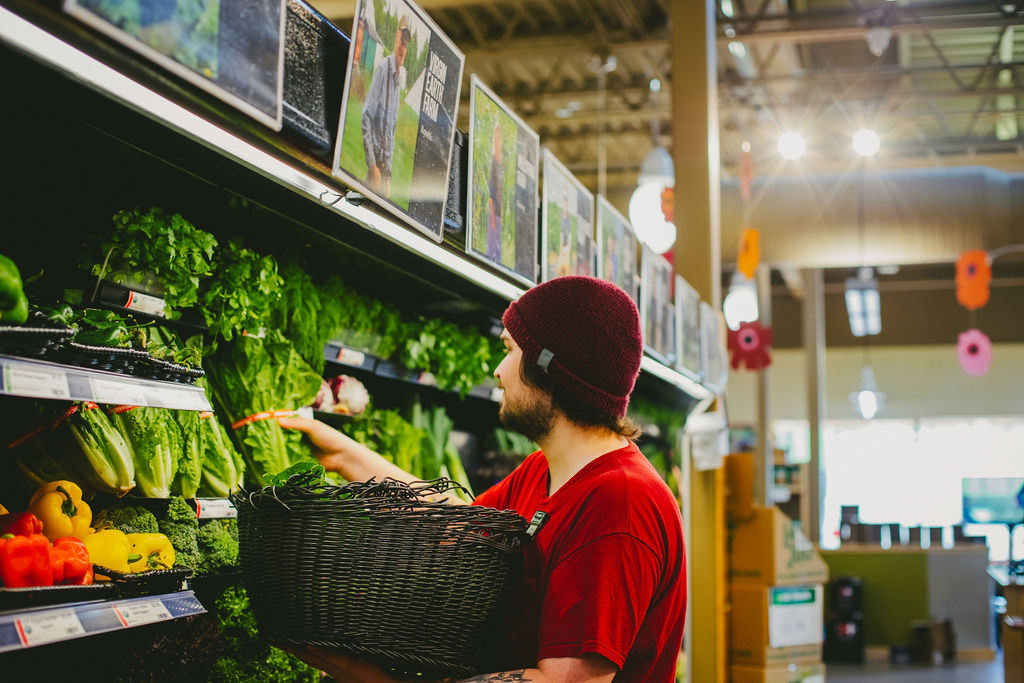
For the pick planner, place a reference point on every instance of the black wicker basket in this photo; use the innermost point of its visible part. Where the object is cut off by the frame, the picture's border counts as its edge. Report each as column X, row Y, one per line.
column 373, row 570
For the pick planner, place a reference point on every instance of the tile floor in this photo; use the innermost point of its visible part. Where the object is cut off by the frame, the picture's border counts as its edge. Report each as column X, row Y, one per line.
column 883, row 672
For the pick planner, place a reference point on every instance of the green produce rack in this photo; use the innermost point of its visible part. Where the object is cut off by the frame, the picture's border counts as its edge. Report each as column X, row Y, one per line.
column 45, row 625
column 42, row 379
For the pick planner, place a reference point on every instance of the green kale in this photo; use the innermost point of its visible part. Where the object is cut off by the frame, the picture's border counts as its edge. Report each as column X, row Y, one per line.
column 131, row 519
column 181, row 526
column 240, row 296
column 218, row 545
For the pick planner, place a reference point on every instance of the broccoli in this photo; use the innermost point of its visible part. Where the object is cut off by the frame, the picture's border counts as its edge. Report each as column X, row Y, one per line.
column 218, row 546
column 131, row 519
column 181, row 527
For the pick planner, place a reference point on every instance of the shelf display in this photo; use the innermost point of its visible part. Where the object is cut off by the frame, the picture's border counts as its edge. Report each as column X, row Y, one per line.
column 616, row 249
column 714, row 358
column 687, row 329
column 567, row 223
column 657, row 311
column 233, row 49
column 503, row 181
column 397, row 123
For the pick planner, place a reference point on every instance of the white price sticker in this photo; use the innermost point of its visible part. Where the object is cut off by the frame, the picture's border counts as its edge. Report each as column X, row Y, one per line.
column 49, row 627
column 183, row 399
column 142, row 612
column 121, row 393
column 145, row 303
column 35, row 382
column 351, row 357
column 215, row 508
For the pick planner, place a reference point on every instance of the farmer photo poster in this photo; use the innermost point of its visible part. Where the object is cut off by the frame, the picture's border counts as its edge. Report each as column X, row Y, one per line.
column 567, row 223
column 504, row 156
column 657, row 312
column 397, row 124
column 232, row 49
column 616, row 248
column 687, row 329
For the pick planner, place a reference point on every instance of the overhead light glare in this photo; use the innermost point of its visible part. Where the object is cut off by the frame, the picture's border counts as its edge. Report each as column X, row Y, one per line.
column 866, row 142
column 727, row 8
column 868, row 399
column 738, row 50
column 863, row 305
column 740, row 305
column 792, row 145
column 655, row 84
column 648, row 219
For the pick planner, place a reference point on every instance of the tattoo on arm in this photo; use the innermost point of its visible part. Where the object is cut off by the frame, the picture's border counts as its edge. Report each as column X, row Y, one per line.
column 503, row 677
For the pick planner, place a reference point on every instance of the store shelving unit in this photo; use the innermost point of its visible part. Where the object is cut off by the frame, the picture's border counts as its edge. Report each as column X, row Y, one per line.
column 45, row 625
column 42, row 379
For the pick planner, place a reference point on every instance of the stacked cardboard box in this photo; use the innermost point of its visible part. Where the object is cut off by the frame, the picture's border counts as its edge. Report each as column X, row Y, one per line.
column 776, row 592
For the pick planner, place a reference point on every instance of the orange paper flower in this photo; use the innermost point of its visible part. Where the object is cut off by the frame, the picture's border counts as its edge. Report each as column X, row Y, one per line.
column 749, row 253
column 973, row 275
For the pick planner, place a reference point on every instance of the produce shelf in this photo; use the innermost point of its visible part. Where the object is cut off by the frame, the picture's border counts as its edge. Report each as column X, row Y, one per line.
column 311, row 194
column 31, row 628
column 43, row 379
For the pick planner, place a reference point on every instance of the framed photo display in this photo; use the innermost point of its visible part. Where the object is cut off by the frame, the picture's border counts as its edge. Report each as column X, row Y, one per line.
column 567, row 223
column 714, row 361
column 657, row 312
column 504, row 163
column 397, row 123
column 232, row 49
column 687, row 329
column 616, row 248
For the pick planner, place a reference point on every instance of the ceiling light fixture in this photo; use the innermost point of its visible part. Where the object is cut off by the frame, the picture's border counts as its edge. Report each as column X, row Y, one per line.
column 866, row 142
column 657, row 172
column 740, row 305
column 792, row 145
column 868, row 400
column 863, row 305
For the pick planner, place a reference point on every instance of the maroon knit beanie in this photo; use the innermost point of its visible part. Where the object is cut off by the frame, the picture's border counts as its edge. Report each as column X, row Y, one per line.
column 585, row 333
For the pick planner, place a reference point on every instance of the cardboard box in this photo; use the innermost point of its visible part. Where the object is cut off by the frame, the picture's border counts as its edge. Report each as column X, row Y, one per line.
column 1013, row 649
column 768, row 549
column 808, row 672
column 739, row 486
column 773, row 625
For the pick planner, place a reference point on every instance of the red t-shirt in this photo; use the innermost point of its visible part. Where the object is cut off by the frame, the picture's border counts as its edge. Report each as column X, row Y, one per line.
column 605, row 574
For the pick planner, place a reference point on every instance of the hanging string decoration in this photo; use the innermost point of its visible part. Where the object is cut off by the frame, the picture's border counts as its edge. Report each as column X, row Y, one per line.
column 973, row 275
column 749, row 345
column 974, row 350
column 749, row 252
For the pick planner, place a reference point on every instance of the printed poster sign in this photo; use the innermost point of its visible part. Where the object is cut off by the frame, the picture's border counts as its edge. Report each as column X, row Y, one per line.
column 714, row 359
column 397, row 125
column 657, row 312
column 567, row 223
column 504, row 156
column 616, row 248
column 233, row 49
column 687, row 329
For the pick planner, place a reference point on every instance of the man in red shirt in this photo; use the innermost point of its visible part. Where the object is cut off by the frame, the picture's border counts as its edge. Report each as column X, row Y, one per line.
column 602, row 595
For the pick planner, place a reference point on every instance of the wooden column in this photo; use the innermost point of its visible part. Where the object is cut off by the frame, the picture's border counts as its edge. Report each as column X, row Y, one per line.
column 697, row 257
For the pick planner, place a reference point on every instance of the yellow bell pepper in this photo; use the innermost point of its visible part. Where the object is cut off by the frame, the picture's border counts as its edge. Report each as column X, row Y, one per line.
column 3, row 510
column 155, row 550
column 59, row 506
column 110, row 548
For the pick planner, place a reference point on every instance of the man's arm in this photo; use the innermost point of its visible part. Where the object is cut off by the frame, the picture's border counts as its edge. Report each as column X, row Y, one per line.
column 346, row 456
column 345, row 669
column 373, row 104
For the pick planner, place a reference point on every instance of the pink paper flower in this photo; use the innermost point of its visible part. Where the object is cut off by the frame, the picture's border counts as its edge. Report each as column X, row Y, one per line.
column 975, row 352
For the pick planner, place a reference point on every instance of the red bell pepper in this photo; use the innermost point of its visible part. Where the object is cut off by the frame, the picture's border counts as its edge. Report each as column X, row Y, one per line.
column 25, row 561
column 69, row 562
column 20, row 524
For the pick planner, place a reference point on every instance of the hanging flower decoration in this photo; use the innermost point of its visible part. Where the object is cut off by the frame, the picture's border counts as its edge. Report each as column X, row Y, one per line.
column 749, row 252
column 973, row 275
column 974, row 350
column 749, row 345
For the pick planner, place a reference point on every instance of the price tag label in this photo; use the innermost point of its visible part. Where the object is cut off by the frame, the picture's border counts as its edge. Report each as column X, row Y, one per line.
column 49, row 627
column 351, row 357
column 22, row 380
column 121, row 393
column 145, row 303
column 215, row 508
column 183, row 399
column 142, row 612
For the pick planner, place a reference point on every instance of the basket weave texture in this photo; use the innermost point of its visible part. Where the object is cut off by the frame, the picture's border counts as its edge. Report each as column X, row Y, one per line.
column 374, row 570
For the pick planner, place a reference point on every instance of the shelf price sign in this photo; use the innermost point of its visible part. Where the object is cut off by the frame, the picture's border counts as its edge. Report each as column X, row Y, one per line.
column 119, row 393
column 142, row 612
column 50, row 627
column 20, row 380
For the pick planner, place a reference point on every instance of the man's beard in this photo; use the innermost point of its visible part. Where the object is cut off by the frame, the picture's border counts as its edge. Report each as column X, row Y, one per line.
column 533, row 419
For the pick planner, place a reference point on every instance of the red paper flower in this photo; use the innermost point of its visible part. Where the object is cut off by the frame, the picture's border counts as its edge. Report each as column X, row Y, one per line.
column 974, row 350
column 973, row 274
column 749, row 345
